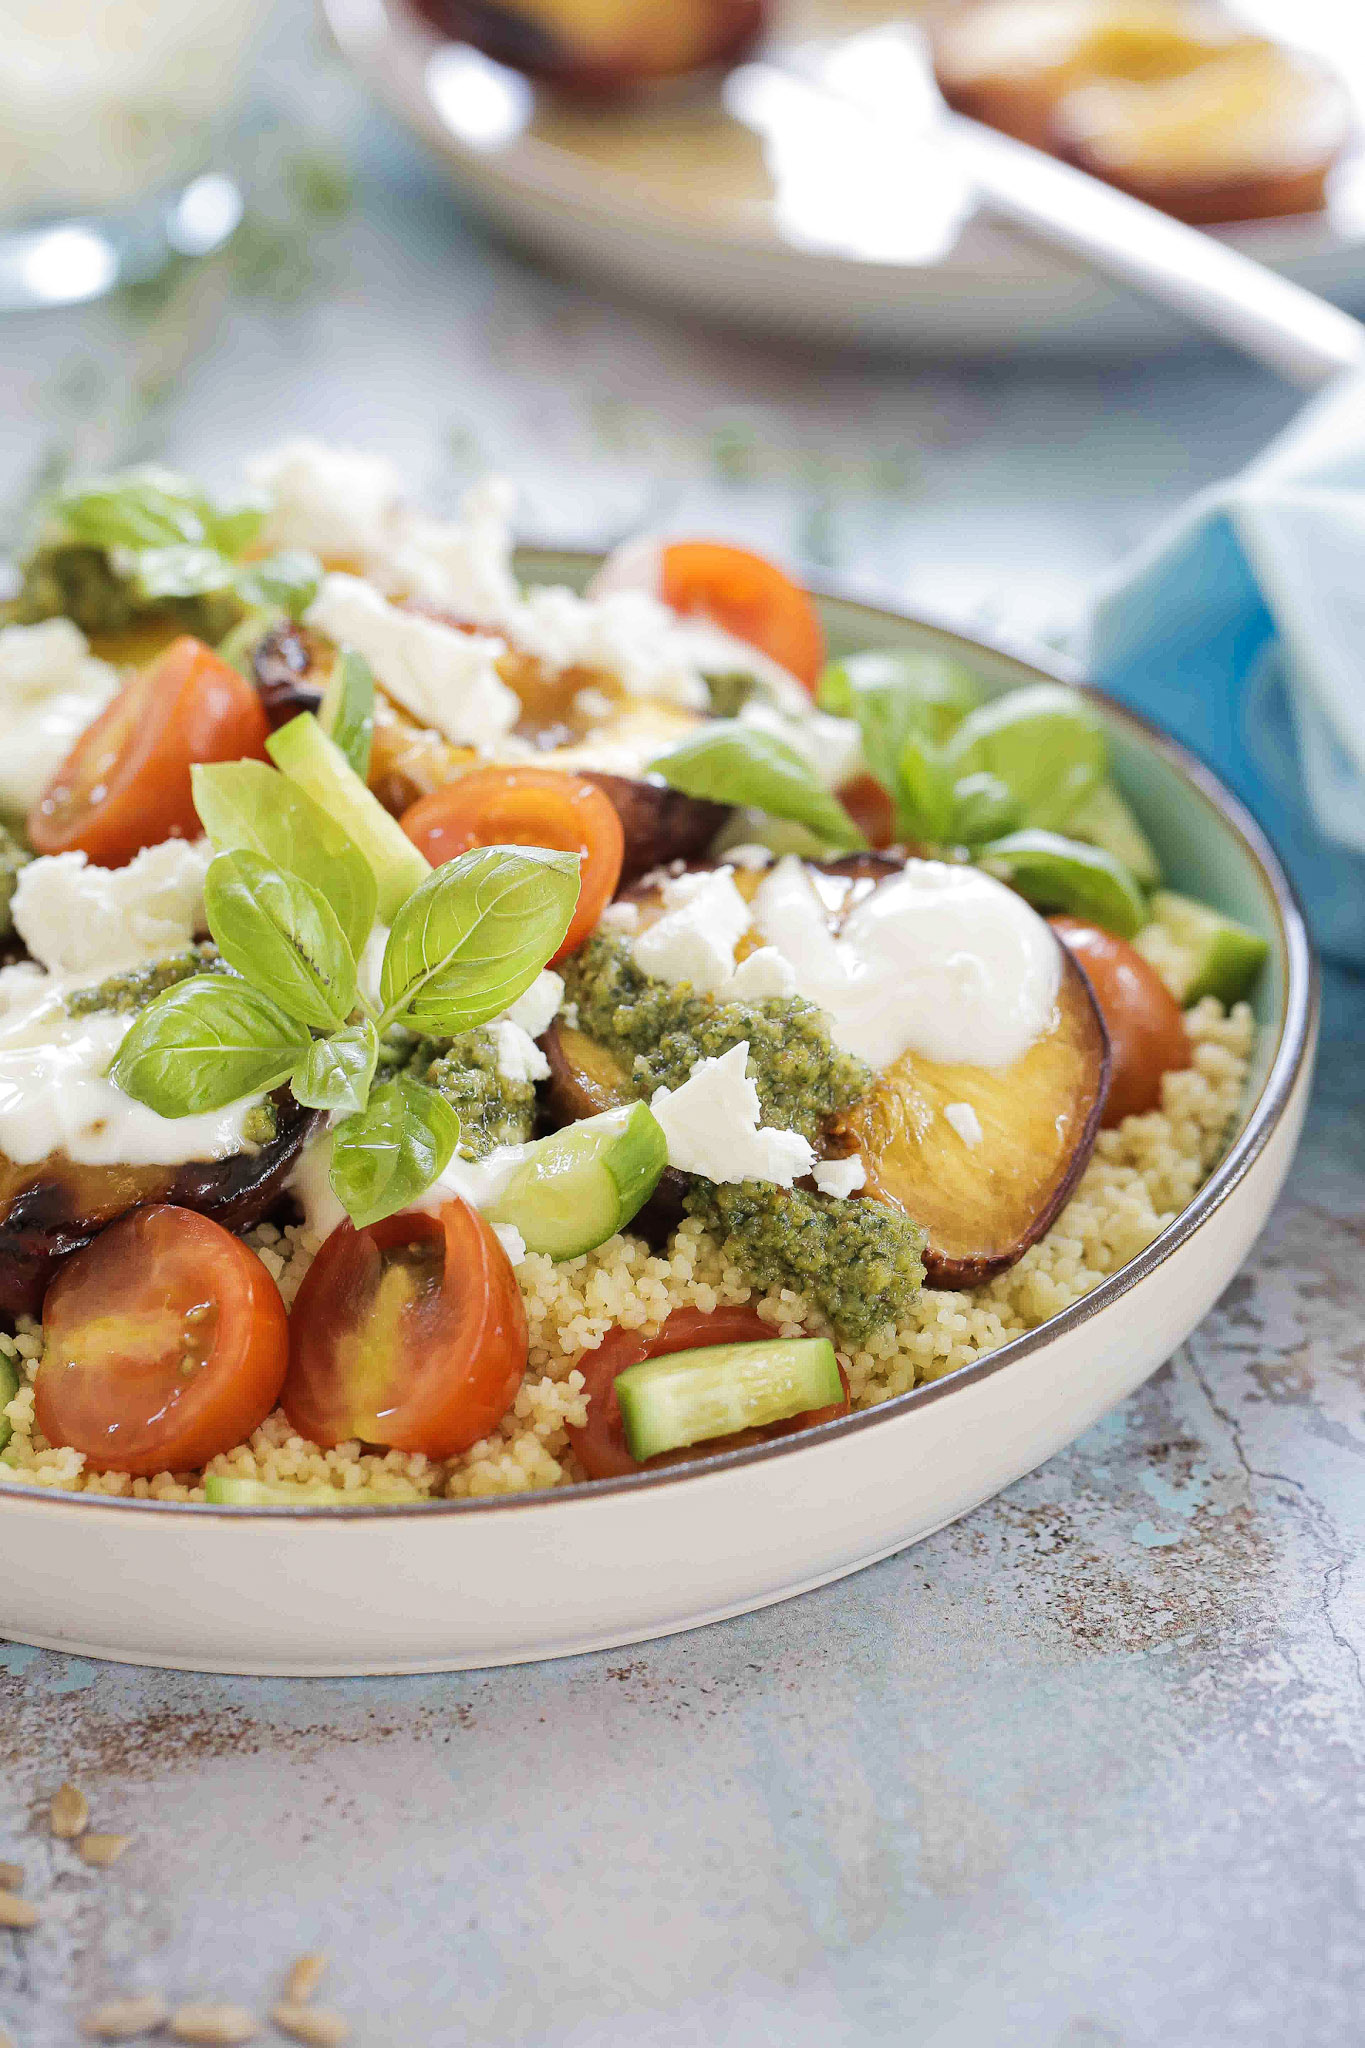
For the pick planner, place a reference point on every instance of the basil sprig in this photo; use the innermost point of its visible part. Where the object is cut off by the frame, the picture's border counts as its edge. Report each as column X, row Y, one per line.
column 290, row 902
column 731, row 763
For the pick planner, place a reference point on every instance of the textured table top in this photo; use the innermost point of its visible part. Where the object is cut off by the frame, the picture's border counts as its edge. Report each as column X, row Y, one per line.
column 1083, row 1771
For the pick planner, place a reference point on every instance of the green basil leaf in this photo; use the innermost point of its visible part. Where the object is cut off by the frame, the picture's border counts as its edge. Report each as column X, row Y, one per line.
column 892, row 695
column 475, row 935
column 233, row 523
column 391, row 1153
column 281, row 935
column 1044, row 743
column 738, row 764
column 337, row 1073
column 925, row 785
column 205, row 1043
column 347, row 714
column 136, row 508
column 983, row 808
column 1063, row 874
column 245, row 804
column 186, row 570
column 288, row 582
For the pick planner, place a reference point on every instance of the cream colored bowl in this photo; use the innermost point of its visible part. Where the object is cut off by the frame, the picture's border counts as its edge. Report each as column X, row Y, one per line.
column 324, row 1591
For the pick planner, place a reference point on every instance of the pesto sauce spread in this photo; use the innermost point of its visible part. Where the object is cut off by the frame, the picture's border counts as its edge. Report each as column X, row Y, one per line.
column 132, row 990
column 859, row 1262
column 492, row 1109
column 661, row 1032
column 73, row 581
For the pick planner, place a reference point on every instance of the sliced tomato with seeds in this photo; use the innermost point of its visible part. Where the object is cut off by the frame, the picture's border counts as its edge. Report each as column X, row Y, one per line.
column 410, row 1333
column 165, row 1342
column 126, row 782
column 1147, row 1036
column 528, row 807
column 601, row 1441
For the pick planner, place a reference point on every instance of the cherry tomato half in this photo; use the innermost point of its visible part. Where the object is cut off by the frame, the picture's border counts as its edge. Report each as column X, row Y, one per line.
column 1146, row 1030
column 166, row 1342
column 750, row 597
column 410, row 1333
column 528, row 807
column 126, row 782
column 601, row 1442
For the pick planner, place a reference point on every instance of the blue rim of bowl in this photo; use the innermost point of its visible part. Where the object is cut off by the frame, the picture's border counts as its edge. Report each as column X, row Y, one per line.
column 1293, row 1051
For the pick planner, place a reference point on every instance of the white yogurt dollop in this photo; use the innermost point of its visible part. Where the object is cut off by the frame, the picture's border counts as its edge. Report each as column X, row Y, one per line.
column 939, row 960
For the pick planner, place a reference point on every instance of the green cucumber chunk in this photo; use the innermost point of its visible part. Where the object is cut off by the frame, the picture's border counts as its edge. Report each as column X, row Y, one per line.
column 1105, row 820
column 579, row 1187
column 304, row 753
column 9, row 1387
column 255, row 1493
column 1224, row 957
column 688, row 1397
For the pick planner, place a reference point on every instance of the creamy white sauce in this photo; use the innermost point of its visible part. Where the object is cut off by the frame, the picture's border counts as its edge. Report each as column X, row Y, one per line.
column 939, row 960
column 479, row 1182
column 51, row 689
column 55, row 1097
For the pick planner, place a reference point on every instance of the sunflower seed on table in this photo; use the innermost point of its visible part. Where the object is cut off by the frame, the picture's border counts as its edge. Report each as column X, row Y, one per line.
column 312, row 2024
column 17, row 1912
column 126, row 2019
column 304, row 1977
column 102, row 1850
column 215, row 2026
column 69, row 1812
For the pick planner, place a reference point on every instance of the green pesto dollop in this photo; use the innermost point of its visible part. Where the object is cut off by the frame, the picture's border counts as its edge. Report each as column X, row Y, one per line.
column 13, row 856
column 729, row 693
column 860, row 1262
column 73, row 581
column 493, row 1110
column 660, row 1032
column 132, row 990
column 261, row 1124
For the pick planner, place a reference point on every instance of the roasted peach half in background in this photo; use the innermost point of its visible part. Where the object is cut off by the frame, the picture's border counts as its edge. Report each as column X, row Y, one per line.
column 603, row 46
column 1171, row 100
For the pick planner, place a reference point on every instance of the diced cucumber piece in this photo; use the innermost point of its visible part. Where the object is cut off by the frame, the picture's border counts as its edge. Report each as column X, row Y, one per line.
column 9, row 1387
column 1105, row 820
column 1224, row 957
column 306, row 755
column 255, row 1493
column 688, row 1397
column 581, row 1186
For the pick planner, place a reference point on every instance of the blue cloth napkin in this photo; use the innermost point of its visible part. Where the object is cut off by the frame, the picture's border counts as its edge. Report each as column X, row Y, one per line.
column 1241, row 629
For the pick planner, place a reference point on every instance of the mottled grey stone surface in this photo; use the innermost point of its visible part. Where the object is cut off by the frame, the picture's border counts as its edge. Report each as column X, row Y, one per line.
column 1083, row 1771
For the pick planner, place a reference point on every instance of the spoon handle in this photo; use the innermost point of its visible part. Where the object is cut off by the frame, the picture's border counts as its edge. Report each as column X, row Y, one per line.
column 1208, row 281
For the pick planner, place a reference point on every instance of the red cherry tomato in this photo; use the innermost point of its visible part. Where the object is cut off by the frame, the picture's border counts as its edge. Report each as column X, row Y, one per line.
column 410, row 1333
column 528, row 807
column 1147, row 1034
column 166, row 1342
column 126, row 782
column 601, row 1442
column 750, row 597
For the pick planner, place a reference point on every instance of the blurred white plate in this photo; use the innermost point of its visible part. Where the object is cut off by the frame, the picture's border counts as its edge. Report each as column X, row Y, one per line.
column 777, row 208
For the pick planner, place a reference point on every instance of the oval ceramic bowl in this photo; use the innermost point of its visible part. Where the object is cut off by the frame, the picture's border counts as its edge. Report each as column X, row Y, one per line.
column 323, row 1591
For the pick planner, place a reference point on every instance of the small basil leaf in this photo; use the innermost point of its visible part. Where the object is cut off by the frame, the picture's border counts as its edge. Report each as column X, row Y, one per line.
column 282, row 935
column 245, row 804
column 391, row 1153
column 1063, row 874
column 205, row 1043
column 233, row 523
column 1045, row 744
column 185, row 570
column 475, row 935
column 892, row 695
column 288, row 581
column 982, row 809
column 925, row 784
column 136, row 508
column 738, row 764
column 336, row 1073
column 347, row 714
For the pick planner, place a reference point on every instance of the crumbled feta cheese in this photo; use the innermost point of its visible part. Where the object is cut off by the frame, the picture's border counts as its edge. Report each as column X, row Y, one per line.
column 620, row 917
column 833, row 747
column 964, row 1121
column 704, row 918
column 535, row 1011
column 761, row 974
column 342, row 503
column 51, row 689
column 519, row 1057
column 463, row 566
column 512, row 1242
column 446, row 678
column 83, row 920
column 712, row 1128
column 627, row 635
column 752, row 858
column 840, row 1177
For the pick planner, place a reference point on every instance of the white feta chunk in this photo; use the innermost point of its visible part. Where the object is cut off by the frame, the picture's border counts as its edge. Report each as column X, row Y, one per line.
column 964, row 1121
column 535, row 1011
column 51, row 689
column 446, row 678
column 752, row 858
column 512, row 1242
column 519, row 1057
column 711, row 1124
column 761, row 974
column 694, row 941
column 83, row 920
column 342, row 503
column 462, row 565
column 625, row 634
column 620, row 917
column 840, row 1177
